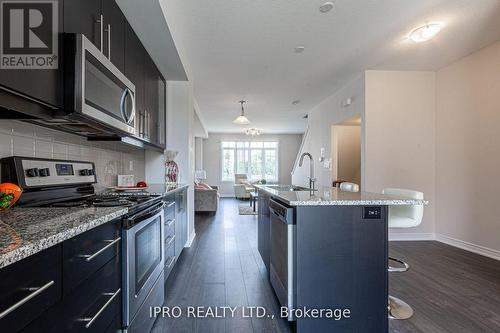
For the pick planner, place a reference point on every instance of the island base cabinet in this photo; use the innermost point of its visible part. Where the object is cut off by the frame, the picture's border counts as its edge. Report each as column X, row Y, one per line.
column 342, row 264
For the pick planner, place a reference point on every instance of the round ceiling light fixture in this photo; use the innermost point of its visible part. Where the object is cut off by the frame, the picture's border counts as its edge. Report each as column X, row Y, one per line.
column 326, row 7
column 241, row 119
column 425, row 32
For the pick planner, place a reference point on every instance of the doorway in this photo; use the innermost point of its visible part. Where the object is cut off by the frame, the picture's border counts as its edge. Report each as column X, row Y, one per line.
column 346, row 151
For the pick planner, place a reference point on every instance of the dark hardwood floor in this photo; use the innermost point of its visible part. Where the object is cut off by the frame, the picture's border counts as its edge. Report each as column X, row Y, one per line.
column 450, row 290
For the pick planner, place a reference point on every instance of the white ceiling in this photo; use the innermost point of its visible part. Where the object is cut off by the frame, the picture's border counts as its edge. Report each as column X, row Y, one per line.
column 243, row 49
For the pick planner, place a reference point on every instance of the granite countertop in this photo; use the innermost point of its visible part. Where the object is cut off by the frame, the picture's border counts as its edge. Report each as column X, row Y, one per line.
column 152, row 189
column 26, row 231
column 332, row 196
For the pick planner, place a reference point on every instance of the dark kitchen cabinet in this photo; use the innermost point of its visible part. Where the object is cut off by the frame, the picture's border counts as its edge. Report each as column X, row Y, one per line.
column 29, row 287
column 42, row 85
column 149, row 91
column 77, row 285
column 114, row 33
column 84, row 17
column 134, row 71
column 176, row 228
column 102, row 22
column 151, row 100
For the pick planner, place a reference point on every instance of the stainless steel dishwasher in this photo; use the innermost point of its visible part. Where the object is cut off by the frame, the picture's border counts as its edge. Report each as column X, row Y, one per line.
column 283, row 245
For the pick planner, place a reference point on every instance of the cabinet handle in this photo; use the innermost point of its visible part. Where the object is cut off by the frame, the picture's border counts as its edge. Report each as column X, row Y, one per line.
column 170, row 222
column 100, row 20
column 108, row 30
column 35, row 291
column 172, row 259
column 89, row 257
column 170, row 241
column 141, row 124
column 147, row 124
column 91, row 320
column 171, row 204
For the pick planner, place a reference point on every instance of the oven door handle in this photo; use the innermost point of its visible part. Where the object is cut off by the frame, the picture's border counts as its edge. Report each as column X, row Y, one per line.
column 146, row 214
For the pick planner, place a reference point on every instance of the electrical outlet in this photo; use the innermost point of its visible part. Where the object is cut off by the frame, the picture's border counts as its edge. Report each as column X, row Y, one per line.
column 131, row 165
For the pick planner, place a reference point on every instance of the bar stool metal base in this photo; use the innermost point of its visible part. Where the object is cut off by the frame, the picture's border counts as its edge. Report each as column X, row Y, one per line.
column 399, row 309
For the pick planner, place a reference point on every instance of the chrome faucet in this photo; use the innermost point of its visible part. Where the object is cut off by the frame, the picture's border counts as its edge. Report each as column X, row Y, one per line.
column 312, row 180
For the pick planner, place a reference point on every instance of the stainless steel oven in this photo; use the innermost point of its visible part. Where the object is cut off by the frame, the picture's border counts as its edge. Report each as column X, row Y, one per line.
column 96, row 91
column 283, row 244
column 143, row 265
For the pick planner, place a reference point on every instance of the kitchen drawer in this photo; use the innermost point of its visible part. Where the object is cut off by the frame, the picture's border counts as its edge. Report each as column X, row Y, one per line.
column 169, row 257
column 86, row 253
column 169, row 228
column 99, row 297
column 34, row 284
column 169, row 208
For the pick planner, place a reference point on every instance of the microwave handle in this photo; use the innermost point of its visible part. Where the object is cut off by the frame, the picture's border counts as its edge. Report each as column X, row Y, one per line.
column 132, row 113
column 128, row 118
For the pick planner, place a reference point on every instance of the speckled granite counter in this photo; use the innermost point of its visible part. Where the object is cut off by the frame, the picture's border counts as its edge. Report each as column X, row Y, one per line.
column 152, row 189
column 333, row 196
column 26, row 231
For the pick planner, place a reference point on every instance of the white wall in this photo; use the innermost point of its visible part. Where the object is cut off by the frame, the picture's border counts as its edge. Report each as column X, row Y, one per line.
column 400, row 136
column 180, row 115
column 288, row 147
column 346, row 153
column 110, row 158
column 468, row 151
column 321, row 118
column 198, row 153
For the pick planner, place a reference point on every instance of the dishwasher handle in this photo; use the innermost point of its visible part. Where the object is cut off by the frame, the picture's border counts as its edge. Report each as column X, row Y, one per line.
column 284, row 213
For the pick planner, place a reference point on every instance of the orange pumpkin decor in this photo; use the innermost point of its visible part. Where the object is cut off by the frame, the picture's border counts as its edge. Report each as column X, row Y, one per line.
column 9, row 194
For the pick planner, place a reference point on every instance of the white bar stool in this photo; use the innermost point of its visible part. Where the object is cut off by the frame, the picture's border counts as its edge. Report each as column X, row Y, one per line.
column 402, row 217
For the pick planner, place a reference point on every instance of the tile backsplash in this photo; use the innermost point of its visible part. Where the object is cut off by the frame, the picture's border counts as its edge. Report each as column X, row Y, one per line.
column 110, row 158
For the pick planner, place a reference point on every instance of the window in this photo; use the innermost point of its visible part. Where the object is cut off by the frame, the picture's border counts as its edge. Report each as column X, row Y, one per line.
column 257, row 159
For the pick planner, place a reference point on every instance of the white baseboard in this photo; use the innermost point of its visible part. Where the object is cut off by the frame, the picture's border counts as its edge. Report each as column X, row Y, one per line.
column 484, row 251
column 416, row 236
column 190, row 240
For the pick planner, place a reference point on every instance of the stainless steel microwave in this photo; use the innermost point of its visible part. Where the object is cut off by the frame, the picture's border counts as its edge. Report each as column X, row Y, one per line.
column 96, row 92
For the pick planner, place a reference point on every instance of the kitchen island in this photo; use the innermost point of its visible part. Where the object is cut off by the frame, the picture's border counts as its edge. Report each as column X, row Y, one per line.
column 326, row 254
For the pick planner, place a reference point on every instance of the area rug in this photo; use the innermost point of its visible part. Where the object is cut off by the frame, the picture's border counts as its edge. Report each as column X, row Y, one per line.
column 245, row 209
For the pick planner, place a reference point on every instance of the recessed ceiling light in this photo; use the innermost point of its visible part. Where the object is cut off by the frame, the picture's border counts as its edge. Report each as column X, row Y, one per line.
column 425, row 32
column 299, row 49
column 297, row 101
column 326, row 7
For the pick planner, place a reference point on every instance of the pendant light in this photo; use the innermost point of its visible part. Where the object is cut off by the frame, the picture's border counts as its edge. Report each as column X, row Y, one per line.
column 241, row 119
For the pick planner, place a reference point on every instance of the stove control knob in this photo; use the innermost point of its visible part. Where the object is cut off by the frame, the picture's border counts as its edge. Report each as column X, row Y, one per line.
column 44, row 172
column 84, row 172
column 90, row 172
column 33, row 172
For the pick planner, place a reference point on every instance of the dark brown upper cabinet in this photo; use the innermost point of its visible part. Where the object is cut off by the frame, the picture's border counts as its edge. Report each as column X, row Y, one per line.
column 84, row 17
column 134, row 71
column 44, row 86
column 102, row 22
column 114, row 33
